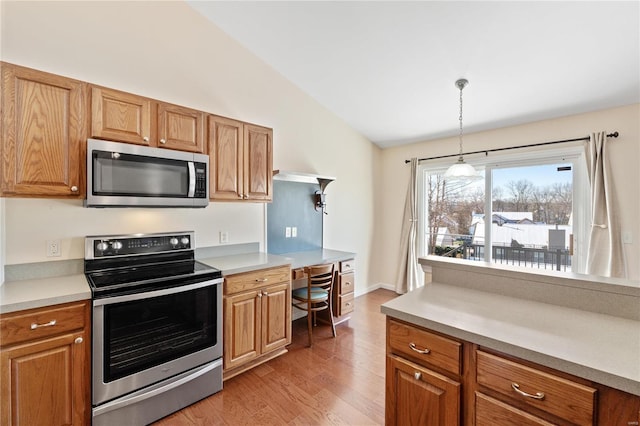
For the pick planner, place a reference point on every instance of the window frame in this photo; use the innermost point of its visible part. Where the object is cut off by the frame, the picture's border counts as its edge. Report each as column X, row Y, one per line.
column 581, row 203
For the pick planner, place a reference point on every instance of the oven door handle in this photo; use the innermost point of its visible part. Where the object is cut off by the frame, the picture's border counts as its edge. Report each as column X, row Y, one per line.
column 155, row 293
column 144, row 394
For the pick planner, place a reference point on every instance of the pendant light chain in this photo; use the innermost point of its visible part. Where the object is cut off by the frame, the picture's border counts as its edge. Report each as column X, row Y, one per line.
column 461, row 85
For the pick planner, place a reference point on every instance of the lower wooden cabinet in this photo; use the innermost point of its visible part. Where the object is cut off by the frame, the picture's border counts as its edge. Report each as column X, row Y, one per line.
column 45, row 366
column 434, row 379
column 419, row 396
column 343, row 290
column 257, row 318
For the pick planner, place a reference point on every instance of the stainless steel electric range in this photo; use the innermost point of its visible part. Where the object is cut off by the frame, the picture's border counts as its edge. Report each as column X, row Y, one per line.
column 157, row 326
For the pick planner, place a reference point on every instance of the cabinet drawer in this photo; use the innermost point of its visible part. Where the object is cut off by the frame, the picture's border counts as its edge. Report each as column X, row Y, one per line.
column 491, row 412
column 256, row 279
column 346, row 283
column 346, row 265
column 42, row 322
column 346, row 304
column 424, row 347
column 553, row 394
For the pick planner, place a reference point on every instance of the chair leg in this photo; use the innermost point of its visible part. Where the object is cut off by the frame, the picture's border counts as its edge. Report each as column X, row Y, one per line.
column 309, row 324
column 333, row 326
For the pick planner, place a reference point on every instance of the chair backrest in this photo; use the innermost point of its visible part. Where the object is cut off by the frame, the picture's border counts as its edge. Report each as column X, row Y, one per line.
column 320, row 276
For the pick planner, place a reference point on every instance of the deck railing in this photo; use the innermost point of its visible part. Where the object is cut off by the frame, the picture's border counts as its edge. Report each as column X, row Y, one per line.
column 542, row 258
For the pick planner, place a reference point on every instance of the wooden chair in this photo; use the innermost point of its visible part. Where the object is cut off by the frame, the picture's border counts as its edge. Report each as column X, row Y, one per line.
column 317, row 295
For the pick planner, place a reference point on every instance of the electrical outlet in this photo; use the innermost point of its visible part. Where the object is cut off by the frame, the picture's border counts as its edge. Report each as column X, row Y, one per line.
column 287, row 232
column 294, row 232
column 224, row 237
column 53, row 248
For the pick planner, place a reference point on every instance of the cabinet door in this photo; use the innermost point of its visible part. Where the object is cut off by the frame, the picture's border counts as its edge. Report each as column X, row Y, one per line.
column 226, row 150
column 43, row 383
column 242, row 317
column 276, row 317
column 43, row 133
column 418, row 396
column 180, row 128
column 258, row 163
column 122, row 117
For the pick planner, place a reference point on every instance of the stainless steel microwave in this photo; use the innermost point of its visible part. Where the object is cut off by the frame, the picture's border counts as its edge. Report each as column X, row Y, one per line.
column 126, row 175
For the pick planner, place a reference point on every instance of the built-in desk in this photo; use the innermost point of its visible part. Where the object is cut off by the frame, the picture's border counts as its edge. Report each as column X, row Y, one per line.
column 344, row 284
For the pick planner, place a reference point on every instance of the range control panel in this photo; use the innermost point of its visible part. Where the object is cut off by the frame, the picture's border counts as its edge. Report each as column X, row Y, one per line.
column 97, row 247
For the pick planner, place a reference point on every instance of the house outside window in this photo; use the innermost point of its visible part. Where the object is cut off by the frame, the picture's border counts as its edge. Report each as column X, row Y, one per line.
column 530, row 209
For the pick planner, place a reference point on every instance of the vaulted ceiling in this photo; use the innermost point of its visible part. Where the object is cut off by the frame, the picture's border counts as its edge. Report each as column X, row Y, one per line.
column 388, row 68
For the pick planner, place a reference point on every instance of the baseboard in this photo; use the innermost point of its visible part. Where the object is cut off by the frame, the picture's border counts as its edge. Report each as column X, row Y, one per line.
column 376, row 286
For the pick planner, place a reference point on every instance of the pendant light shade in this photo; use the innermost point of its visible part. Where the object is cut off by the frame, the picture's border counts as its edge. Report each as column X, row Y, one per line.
column 461, row 171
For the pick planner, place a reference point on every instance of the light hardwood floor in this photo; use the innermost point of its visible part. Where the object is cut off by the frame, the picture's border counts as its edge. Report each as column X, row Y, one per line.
column 336, row 382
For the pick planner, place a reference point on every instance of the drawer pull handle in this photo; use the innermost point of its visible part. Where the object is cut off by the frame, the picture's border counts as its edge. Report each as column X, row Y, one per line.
column 49, row 324
column 261, row 280
column 417, row 375
column 538, row 395
column 420, row 351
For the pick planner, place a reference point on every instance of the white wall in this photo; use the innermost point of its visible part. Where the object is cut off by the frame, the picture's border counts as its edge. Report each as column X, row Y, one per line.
column 624, row 157
column 166, row 51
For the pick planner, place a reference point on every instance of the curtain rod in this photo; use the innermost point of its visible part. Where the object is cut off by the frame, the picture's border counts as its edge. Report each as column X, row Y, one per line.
column 487, row 151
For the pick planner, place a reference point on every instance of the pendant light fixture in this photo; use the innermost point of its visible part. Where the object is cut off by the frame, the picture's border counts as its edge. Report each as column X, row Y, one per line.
column 461, row 171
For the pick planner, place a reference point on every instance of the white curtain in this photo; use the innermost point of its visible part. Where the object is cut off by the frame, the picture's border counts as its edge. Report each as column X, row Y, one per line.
column 410, row 275
column 604, row 250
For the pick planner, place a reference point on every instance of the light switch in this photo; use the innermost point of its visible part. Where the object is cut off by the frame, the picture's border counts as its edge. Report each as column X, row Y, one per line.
column 294, row 232
column 287, row 232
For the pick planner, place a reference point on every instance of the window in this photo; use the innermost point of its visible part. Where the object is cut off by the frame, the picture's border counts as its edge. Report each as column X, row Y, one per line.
column 528, row 210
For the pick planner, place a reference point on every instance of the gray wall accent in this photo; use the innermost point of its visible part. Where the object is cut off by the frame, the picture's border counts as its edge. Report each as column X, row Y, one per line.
column 293, row 206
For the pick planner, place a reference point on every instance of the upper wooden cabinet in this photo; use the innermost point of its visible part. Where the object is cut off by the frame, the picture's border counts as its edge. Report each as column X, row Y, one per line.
column 121, row 116
column 43, row 133
column 180, row 128
column 124, row 117
column 241, row 160
column 258, row 163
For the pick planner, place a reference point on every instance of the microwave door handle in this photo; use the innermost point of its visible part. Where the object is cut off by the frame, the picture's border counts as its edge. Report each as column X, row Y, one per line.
column 192, row 179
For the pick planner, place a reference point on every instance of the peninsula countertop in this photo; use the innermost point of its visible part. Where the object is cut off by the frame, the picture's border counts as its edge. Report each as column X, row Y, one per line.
column 598, row 347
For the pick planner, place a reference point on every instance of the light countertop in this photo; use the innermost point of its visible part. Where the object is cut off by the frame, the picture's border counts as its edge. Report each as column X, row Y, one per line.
column 300, row 259
column 239, row 263
column 37, row 293
column 598, row 347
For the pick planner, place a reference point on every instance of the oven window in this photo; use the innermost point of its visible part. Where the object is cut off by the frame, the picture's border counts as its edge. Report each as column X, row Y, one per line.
column 144, row 333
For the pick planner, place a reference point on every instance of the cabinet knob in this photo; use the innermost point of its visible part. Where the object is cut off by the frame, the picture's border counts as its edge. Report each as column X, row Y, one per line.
column 260, row 294
column 245, row 196
column 146, row 138
column 163, row 141
column 417, row 375
column 264, row 293
column 74, row 188
column 78, row 340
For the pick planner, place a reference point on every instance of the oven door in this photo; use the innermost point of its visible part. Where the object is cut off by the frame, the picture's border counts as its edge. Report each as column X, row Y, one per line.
column 143, row 338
